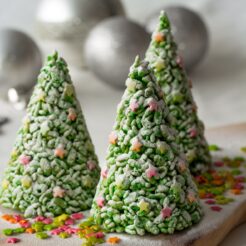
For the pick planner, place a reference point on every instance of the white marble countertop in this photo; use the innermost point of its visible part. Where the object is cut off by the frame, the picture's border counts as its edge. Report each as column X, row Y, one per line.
column 219, row 82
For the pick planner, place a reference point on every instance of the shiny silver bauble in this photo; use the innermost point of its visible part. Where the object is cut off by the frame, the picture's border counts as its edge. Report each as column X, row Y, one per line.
column 111, row 47
column 20, row 61
column 65, row 24
column 190, row 33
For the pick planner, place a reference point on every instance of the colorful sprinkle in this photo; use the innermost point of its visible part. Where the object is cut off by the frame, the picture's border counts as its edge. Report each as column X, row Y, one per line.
column 100, row 201
column 136, row 145
column 219, row 163
column 42, row 235
column 58, row 192
column 104, row 173
column 210, row 202
column 166, row 212
column 153, row 105
column 159, row 37
column 113, row 240
column 60, row 152
column 134, row 105
column 193, row 133
column 12, row 240
column 72, row 114
column 214, row 147
column 77, row 216
column 113, row 138
column 216, row 208
column 143, row 206
column 25, row 159
column 151, row 172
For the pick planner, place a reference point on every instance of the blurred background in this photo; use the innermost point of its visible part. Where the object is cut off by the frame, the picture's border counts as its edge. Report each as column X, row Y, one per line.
column 211, row 37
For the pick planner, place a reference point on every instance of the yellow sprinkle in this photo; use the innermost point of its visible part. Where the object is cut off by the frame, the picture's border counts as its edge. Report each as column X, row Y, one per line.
column 144, row 206
column 5, row 184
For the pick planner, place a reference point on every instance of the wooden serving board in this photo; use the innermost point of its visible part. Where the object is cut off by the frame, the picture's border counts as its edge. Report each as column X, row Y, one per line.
column 209, row 232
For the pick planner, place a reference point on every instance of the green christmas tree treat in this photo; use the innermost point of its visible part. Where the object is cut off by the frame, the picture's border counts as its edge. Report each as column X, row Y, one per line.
column 146, row 186
column 170, row 75
column 53, row 168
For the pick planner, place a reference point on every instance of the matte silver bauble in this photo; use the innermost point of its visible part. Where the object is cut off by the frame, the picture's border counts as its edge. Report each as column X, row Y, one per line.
column 189, row 30
column 65, row 24
column 20, row 61
column 111, row 47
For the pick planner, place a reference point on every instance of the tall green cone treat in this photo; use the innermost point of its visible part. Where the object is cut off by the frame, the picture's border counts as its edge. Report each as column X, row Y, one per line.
column 170, row 75
column 146, row 186
column 53, row 168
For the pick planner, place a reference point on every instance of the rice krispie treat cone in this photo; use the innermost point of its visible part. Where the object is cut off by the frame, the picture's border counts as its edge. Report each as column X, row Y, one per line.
column 146, row 186
column 170, row 75
column 53, row 168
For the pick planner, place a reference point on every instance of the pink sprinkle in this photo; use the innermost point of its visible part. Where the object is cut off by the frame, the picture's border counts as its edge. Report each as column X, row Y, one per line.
column 219, row 163
column 239, row 179
column 56, row 231
column 179, row 61
column 104, row 173
column 216, row 208
column 72, row 230
column 64, row 227
column 238, row 186
column 192, row 133
column 134, row 105
column 166, row 212
column 13, row 240
column 24, row 159
column 26, row 225
column 99, row 234
column 209, row 195
column 47, row 221
column 100, row 201
column 72, row 114
column 153, row 105
column 77, row 216
column 17, row 217
column 151, row 172
column 70, row 221
column 39, row 218
column 91, row 165
column 210, row 201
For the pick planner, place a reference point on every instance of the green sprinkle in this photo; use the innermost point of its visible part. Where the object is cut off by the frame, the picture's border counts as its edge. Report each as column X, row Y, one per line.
column 243, row 149
column 38, row 226
column 19, row 230
column 8, row 232
column 49, row 227
column 86, row 223
column 42, row 235
column 235, row 172
column 214, row 147
column 64, row 235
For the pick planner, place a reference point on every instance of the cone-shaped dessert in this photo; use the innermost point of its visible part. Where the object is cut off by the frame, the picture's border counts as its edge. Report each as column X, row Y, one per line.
column 53, row 168
column 146, row 185
column 170, row 75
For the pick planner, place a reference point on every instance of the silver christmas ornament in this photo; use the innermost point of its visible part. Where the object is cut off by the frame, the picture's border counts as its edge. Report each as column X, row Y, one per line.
column 65, row 23
column 20, row 62
column 189, row 30
column 111, row 47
